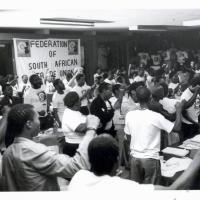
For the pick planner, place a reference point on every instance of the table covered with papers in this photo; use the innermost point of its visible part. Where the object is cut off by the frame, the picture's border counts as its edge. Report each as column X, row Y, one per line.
column 177, row 158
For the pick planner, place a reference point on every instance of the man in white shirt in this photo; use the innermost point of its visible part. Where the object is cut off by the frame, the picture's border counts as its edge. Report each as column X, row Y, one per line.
column 24, row 85
column 140, row 77
column 36, row 96
column 58, row 100
column 143, row 127
column 83, row 90
column 103, row 157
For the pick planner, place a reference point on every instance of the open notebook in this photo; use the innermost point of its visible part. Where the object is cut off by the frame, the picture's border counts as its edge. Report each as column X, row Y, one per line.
column 175, row 151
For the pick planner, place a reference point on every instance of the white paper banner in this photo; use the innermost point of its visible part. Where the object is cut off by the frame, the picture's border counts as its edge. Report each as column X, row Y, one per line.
column 42, row 56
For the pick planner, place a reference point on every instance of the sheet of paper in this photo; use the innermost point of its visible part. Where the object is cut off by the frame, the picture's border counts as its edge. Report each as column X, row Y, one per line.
column 196, row 138
column 175, row 151
column 173, row 165
column 189, row 146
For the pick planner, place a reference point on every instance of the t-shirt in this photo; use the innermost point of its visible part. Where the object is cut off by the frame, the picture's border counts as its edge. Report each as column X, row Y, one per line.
column 145, row 126
column 57, row 102
column 49, row 88
column 181, row 56
column 156, row 59
column 37, row 98
column 166, row 55
column 169, row 104
column 81, row 91
column 112, row 82
column 15, row 90
column 139, row 79
column 173, row 85
column 193, row 111
column 86, row 180
column 149, row 82
column 70, row 121
column 118, row 118
column 22, row 85
column 143, row 57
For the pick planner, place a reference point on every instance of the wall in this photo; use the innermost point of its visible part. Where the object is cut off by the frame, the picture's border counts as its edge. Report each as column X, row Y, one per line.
column 121, row 44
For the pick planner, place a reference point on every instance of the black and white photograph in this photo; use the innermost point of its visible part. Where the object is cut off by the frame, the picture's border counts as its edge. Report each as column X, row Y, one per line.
column 100, row 101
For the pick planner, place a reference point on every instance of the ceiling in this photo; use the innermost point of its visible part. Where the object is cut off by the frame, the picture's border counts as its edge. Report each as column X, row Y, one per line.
column 101, row 19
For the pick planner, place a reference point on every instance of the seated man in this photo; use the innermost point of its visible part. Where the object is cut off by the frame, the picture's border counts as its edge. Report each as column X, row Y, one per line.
column 30, row 166
column 103, row 157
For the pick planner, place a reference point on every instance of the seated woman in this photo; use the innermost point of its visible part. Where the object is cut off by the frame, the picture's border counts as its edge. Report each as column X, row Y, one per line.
column 73, row 123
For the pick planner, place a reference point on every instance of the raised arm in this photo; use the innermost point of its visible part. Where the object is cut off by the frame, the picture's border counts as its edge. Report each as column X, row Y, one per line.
column 178, row 121
column 50, row 163
column 191, row 101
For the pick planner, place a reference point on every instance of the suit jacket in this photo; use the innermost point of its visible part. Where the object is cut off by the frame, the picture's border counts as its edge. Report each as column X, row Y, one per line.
column 98, row 108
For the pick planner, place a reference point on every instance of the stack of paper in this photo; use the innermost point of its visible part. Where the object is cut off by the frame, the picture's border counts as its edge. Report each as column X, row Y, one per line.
column 173, row 165
column 175, row 151
column 193, row 143
column 196, row 138
column 189, row 144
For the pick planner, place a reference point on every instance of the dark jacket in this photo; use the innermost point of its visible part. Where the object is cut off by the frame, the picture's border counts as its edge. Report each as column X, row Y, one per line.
column 98, row 108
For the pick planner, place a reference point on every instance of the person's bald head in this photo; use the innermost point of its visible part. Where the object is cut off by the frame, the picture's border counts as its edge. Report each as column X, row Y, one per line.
column 143, row 94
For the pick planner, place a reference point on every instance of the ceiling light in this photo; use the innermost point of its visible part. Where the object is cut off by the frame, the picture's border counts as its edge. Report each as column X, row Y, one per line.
column 191, row 22
column 146, row 28
column 133, row 28
column 54, row 22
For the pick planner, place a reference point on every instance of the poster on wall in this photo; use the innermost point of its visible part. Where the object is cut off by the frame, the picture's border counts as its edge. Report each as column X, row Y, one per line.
column 42, row 56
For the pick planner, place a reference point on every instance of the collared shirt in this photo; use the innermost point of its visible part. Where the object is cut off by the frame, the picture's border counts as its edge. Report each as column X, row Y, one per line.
column 30, row 166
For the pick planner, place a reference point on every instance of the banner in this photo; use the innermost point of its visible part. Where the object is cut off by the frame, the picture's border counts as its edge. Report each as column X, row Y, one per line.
column 42, row 56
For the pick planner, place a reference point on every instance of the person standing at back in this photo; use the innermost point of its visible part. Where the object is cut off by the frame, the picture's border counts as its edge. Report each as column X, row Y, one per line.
column 36, row 96
column 102, row 108
column 83, row 90
column 23, row 86
column 58, row 100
